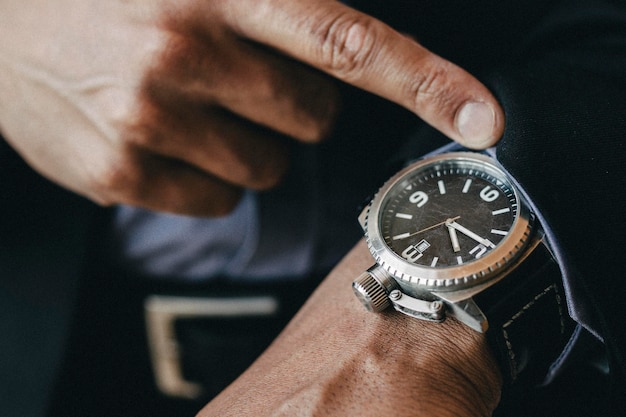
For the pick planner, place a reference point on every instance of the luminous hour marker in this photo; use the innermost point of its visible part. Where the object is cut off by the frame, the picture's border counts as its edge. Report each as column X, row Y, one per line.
column 434, row 262
column 442, row 187
column 467, row 185
column 499, row 232
column 459, row 260
column 404, row 216
column 402, row 236
column 501, row 211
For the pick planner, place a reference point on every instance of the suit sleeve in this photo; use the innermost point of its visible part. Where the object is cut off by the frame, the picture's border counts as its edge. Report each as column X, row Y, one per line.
column 559, row 70
column 564, row 97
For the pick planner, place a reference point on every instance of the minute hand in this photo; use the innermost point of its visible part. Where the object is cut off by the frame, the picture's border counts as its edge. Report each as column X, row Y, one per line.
column 470, row 234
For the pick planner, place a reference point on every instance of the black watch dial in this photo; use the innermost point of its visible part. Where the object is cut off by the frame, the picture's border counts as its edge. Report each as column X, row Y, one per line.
column 447, row 214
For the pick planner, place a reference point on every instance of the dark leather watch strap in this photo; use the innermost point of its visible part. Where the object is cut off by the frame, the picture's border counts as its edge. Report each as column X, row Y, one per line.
column 529, row 325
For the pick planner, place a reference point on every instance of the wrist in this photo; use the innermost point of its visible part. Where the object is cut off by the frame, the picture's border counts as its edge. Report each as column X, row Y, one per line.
column 447, row 365
column 418, row 367
column 335, row 359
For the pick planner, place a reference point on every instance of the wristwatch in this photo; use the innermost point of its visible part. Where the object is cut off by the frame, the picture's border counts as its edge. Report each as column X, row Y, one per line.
column 452, row 236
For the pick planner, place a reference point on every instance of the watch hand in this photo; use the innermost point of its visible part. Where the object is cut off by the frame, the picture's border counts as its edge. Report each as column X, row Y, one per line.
column 451, row 223
column 453, row 238
column 433, row 226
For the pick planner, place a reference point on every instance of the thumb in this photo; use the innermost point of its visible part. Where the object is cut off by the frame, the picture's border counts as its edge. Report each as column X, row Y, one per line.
column 368, row 54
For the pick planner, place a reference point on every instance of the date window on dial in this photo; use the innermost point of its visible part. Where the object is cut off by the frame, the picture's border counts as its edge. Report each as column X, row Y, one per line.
column 413, row 252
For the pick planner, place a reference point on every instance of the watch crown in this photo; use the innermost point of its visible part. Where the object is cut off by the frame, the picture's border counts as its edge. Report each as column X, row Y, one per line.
column 371, row 292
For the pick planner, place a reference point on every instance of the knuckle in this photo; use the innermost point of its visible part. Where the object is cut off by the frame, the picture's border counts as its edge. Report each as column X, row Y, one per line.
column 224, row 205
column 306, row 100
column 348, row 44
column 270, row 179
column 148, row 126
column 118, row 180
column 325, row 106
column 263, row 174
column 145, row 138
column 256, row 161
column 265, row 88
column 431, row 88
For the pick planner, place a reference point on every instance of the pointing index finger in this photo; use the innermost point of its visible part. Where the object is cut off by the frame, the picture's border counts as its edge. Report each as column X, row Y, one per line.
column 368, row 54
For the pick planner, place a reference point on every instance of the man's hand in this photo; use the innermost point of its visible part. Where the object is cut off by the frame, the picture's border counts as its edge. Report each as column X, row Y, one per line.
column 178, row 105
column 337, row 359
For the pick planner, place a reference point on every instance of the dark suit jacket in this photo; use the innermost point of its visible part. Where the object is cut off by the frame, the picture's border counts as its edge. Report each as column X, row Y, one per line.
column 559, row 71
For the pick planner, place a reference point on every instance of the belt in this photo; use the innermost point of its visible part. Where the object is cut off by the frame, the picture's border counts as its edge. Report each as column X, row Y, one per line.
column 201, row 340
column 145, row 347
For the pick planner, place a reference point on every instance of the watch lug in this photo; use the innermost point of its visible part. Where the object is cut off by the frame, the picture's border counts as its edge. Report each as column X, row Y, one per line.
column 468, row 313
column 455, row 297
column 419, row 309
column 463, row 307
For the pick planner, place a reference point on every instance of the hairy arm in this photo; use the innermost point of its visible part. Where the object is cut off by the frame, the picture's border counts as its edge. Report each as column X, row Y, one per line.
column 336, row 359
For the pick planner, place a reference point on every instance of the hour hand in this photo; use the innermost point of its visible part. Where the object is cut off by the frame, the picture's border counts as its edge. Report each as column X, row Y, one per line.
column 454, row 238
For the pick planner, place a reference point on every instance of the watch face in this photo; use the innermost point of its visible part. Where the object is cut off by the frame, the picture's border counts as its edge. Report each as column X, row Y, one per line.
column 447, row 221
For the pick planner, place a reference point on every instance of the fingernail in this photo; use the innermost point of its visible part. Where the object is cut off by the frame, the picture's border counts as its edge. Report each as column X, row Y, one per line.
column 475, row 122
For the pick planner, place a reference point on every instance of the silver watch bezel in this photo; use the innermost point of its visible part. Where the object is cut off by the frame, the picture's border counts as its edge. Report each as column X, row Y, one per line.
column 452, row 278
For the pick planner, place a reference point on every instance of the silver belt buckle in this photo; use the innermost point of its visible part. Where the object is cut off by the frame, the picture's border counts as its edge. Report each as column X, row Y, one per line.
column 161, row 313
